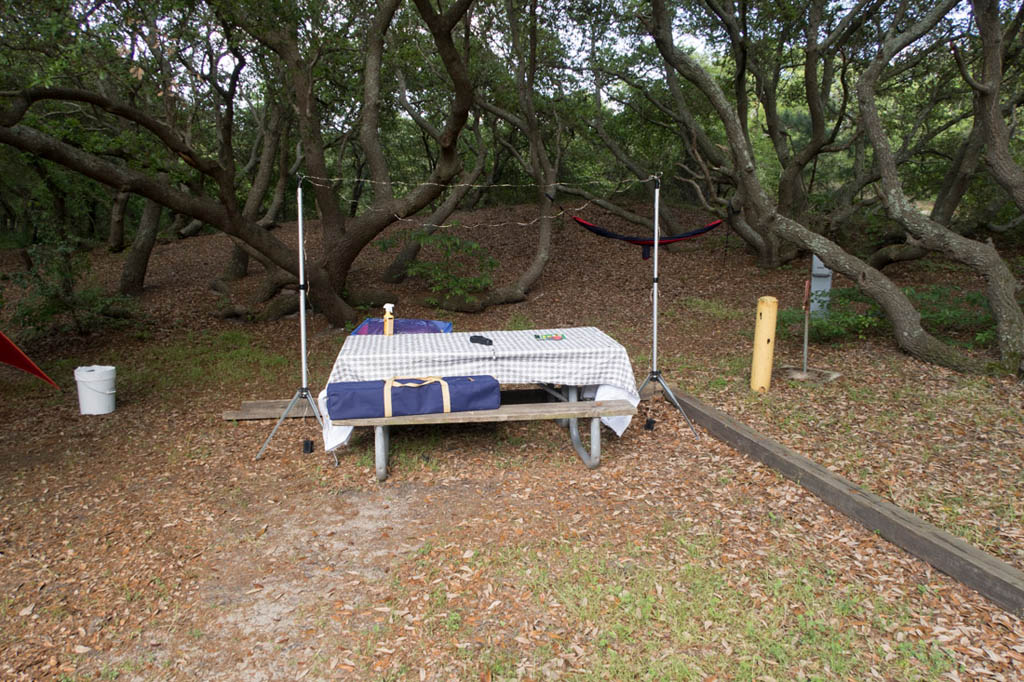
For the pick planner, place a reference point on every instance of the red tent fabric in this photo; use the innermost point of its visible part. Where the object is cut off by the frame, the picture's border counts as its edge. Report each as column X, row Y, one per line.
column 12, row 355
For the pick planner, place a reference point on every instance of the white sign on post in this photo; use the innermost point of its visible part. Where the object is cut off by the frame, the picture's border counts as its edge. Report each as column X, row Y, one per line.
column 821, row 285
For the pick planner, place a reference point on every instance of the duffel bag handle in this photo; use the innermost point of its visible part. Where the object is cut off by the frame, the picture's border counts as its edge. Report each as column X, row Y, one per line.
column 446, row 398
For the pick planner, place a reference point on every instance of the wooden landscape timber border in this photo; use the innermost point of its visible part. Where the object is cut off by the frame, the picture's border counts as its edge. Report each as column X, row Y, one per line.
column 996, row 580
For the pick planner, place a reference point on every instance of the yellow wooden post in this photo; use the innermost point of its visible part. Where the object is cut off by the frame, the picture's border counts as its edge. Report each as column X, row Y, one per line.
column 764, row 344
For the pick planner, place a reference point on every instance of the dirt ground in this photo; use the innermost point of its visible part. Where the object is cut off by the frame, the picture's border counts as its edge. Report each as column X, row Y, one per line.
column 148, row 545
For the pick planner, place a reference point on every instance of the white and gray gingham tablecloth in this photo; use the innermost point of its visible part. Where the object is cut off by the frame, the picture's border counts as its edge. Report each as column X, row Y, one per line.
column 585, row 356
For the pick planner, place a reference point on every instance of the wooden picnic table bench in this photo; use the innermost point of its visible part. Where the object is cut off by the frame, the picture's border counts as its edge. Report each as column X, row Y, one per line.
column 568, row 410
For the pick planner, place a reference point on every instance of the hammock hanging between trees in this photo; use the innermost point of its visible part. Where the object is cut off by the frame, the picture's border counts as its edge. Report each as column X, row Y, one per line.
column 647, row 242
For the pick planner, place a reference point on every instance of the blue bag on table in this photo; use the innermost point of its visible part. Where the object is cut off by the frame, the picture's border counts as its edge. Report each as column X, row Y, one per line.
column 399, row 397
column 403, row 325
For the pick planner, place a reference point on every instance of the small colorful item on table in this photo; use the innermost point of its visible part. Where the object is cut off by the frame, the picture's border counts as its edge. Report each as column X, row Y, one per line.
column 548, row 337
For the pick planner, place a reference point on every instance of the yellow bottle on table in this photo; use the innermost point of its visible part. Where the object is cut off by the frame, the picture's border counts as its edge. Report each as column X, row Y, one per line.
column 389, row 319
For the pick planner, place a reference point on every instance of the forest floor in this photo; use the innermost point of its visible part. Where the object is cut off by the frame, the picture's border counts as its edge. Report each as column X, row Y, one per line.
column 147, row 544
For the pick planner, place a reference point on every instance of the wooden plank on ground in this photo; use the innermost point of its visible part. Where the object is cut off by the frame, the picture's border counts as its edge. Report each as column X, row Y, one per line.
column 998, row 581
column 268, row 409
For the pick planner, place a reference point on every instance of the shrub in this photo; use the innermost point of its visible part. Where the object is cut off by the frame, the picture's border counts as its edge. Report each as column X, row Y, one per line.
column 55, row 303
column 852, row 314
column 462, row 268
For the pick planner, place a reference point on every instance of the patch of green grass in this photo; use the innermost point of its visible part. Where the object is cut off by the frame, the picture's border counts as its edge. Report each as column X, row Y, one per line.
column 113, row 672
column 682, row 363
column 453, row 621
column 736, row 365
column 200, row 360
column 518, row 321
column 366, row 458
column 512, row 439
column 717, row 383
column 500, row 663
column 416, row 450
column 682, row 616
column 16, row 385
column 861, row 393
column 713, row 309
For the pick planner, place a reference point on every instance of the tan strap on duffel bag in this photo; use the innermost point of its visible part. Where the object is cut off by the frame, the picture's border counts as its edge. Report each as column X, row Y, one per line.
column 446, row 398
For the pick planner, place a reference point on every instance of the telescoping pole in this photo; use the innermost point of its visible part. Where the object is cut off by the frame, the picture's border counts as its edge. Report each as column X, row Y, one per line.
column 302, row 293
column 655, row 374
column 654, row 290
column 303, row 392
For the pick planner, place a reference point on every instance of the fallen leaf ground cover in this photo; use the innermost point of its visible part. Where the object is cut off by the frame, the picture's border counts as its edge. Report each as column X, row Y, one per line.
column 146, row 544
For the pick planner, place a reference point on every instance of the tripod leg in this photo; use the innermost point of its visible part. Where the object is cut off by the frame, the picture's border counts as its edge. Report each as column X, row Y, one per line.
column 672, row 399
column 313, row 406
column 319, row 419
column 284, row 415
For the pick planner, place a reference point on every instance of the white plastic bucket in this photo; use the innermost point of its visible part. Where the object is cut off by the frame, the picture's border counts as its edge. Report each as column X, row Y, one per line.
column 96, row 389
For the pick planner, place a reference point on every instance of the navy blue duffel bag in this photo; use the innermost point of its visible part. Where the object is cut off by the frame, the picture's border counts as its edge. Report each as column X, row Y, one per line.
column 398, row 397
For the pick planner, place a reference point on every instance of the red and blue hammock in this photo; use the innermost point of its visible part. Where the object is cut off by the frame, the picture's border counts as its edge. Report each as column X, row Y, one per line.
column 647, row 242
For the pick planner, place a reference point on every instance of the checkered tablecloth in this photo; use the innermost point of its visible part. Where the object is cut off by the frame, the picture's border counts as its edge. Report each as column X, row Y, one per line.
column 585, row 356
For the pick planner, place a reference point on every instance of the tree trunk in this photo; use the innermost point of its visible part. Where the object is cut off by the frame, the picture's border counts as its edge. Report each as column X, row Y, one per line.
column 238, row 264
column 517, row 291
column 987, row 106
column 133, row 273
column 895, row 253
column 115, row 239
column 756, row 211
column 1001, row 285
column 410, row 249
column 951, row 193
column 540, row 166
column 191, row 229
column 345, row 237
column 477, row 193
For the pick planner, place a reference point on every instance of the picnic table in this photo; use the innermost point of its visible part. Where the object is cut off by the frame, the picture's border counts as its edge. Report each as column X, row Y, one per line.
column 585, row 372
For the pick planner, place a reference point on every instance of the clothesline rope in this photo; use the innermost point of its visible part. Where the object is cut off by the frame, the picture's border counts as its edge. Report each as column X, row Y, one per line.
column 331, row 182
column 417, row 221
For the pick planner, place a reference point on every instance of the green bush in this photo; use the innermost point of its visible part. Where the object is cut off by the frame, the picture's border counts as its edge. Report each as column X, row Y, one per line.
column 55, row 303
column 852, row 314
column 462, row 268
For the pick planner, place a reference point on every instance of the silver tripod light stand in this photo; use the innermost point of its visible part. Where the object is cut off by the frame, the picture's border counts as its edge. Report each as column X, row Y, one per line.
column 303, row 392
column 655, row 374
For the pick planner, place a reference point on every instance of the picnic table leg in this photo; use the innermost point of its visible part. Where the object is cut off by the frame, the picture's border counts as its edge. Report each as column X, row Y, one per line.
column 592, row 458
column 381, row 436
column 563, row 395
